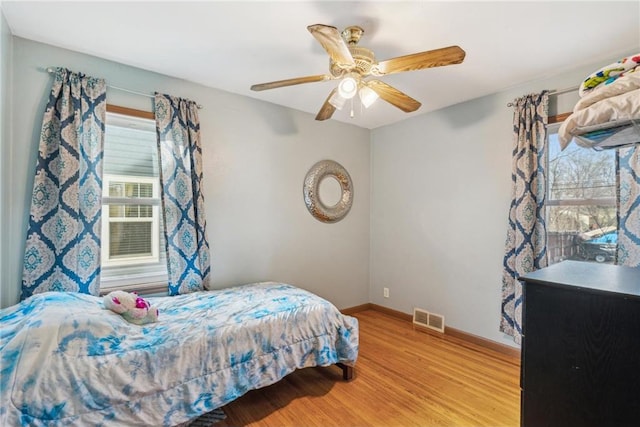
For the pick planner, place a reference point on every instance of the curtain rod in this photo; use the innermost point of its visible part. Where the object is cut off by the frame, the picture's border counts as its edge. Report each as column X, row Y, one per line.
column 52, row 70
column 555, row 92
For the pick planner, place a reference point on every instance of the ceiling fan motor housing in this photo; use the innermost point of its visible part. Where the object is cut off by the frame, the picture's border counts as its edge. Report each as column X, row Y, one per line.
column 363, row 59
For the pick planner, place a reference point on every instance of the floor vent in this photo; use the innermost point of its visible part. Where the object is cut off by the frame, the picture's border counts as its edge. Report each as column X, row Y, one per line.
column 428, row 320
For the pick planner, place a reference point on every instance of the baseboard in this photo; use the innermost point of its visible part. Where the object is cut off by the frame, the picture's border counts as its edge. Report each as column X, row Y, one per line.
column 392, row 312
column 448, row 331
column 356, row 309
column 483, row 342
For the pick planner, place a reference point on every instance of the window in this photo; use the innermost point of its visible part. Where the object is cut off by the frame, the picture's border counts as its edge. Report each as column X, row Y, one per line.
column 130, row 229
column 131, row 234
column 581, row 202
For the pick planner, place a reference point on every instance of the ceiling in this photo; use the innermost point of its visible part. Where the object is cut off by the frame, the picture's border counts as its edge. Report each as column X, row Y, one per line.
column 232, row 45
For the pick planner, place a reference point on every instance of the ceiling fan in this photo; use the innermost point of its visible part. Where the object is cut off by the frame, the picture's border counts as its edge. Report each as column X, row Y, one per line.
column 352, row 64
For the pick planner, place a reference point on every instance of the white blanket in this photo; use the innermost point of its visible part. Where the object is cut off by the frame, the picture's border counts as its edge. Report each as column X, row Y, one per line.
column 620, row 107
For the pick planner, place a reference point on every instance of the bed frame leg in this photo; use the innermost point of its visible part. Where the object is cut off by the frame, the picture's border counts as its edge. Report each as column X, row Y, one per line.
column 347, row 371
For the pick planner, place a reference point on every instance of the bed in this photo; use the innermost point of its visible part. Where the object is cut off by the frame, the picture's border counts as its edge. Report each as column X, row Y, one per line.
column 65, row 360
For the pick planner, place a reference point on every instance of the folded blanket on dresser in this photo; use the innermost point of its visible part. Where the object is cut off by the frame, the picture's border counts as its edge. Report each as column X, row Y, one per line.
column 68, row 361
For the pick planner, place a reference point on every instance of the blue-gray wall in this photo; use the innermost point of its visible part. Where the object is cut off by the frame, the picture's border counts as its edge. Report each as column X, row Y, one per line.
column 6, row 48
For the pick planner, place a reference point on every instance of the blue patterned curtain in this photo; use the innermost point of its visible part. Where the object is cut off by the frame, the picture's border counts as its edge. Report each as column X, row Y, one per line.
column 525, row 247
column 628, row 201
column 62, row 251
column 178, row 129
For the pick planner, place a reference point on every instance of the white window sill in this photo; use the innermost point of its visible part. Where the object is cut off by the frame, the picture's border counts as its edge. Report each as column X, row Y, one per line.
column 143, row 284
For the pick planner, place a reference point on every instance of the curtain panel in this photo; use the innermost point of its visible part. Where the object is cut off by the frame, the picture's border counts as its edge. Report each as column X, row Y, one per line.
column 525, row 246
column 62, row 251
column 628, row 205
column 178, row 130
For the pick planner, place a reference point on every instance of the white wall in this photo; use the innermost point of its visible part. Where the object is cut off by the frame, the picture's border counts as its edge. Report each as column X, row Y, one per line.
column 256, row 156
column 441, row 194
column 6, row 48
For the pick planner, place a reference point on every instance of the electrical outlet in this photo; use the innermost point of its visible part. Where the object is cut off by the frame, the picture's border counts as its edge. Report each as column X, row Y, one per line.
column 385, row 292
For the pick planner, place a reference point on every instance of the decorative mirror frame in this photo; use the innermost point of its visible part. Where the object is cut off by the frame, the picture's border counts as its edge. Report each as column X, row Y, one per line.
column 311, row 191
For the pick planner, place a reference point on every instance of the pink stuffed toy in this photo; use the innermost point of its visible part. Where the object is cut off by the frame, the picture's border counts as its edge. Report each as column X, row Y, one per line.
column 132, row 307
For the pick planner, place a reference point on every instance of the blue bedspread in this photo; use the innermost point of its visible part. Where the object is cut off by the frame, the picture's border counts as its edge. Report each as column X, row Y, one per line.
column 65, row 360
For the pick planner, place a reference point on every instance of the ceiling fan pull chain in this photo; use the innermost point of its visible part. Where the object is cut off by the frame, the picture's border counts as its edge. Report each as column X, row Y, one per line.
column 351, row 114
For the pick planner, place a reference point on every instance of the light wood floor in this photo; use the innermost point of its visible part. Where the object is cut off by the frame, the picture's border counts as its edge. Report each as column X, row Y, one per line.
column 402, row 378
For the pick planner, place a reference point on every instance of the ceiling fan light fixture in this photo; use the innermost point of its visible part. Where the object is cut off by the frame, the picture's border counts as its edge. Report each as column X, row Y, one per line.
column 367, row 96
column 348, row 87
column 337, row 101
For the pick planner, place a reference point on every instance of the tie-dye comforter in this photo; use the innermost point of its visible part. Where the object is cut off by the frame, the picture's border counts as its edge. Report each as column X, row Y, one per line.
column 65, row 360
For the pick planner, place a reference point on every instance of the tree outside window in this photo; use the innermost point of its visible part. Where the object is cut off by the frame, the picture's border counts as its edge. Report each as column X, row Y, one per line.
column 581, row 203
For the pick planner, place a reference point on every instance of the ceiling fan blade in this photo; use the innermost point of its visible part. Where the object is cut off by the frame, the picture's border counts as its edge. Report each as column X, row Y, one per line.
column 418, row 61
column 290, row 82
column 331, row 40
column 327, row 109
column 393, row 96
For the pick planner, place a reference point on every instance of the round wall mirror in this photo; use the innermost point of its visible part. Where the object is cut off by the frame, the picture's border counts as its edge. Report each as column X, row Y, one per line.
column 325, row 201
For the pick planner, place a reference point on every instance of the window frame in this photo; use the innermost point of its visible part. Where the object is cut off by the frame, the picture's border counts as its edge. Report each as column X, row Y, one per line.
column 146, row 282
column 107, row 219
column 554, row 123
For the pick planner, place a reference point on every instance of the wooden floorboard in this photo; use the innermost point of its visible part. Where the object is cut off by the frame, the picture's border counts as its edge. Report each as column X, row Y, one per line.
column 403, row 377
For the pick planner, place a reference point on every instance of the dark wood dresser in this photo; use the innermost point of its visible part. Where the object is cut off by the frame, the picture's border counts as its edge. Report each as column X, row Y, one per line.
column 581, row 346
